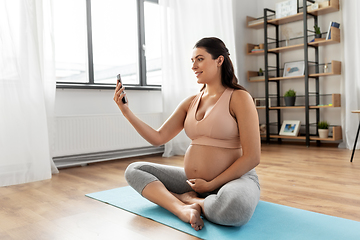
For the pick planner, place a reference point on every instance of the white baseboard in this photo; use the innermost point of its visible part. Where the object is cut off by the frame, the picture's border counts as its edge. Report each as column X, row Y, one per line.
column 83, row 159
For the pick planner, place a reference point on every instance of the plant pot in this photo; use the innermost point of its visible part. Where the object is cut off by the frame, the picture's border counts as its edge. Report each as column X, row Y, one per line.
column 323, row 133
column 317, row 35
column 289, row 101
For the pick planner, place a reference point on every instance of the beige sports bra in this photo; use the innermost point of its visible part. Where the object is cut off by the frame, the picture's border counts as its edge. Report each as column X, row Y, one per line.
column 217, row 128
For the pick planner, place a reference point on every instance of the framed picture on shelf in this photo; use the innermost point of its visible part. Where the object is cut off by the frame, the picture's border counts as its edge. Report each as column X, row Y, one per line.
column 293, row 69
column 286, row 8
column 290, row 128
column 261, row 102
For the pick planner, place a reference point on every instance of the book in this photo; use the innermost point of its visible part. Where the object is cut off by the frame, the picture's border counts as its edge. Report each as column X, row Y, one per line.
column 332, row 24
column 317, row 39
column 257, row 50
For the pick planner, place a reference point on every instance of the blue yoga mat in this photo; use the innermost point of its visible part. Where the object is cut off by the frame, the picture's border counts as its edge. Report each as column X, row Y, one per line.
column 270, row 221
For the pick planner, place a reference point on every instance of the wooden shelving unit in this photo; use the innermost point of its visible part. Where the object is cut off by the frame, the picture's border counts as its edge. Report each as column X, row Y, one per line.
column 254, row 74
column 337, row 135
column 316, row 72
column 333, row 7
column 285, row 78
column 249, row 47
column 335, row 38
column 335, row 102
column 335, row 70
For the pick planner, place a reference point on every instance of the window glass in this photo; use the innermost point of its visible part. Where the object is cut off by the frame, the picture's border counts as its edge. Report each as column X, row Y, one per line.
column 115, row 40
column 153, row 43
column 70, row 41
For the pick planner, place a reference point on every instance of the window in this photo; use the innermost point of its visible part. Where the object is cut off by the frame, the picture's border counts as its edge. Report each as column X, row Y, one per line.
column 97, row 39
column 70, row 41
column 153, row 43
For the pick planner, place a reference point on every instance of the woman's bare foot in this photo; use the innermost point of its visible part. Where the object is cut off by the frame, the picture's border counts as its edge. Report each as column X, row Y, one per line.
column 187, row 197
column 191, row 198
column 191, row 214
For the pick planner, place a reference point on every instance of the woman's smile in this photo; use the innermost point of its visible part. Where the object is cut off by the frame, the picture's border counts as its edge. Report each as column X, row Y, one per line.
column 198, row 74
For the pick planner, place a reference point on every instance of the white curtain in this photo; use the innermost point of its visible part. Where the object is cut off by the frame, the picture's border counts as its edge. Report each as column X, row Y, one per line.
column 27, row 91
column 184, row 22
column 351, row 77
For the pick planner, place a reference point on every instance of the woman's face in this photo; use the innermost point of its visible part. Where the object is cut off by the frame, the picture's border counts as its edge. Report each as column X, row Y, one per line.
column 205, row 67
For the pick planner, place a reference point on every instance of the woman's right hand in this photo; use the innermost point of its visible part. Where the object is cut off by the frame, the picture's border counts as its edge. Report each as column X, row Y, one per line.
column 118, row 95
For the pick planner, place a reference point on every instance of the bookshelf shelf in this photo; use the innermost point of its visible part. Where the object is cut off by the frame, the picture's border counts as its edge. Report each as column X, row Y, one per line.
column 335, row 70
column 335, row 33
column 333, row 7
column 337, row 135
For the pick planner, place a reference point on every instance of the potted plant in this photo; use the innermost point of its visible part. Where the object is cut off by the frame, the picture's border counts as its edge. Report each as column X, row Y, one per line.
column 261, row 73
column 317, row 31
column 323, row 129
column 290, row 97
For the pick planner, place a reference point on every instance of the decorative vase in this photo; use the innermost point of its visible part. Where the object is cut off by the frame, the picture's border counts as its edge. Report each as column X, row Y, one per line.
column 326, row 68
column 289, row 101
column 287, row 42
column 323, row 133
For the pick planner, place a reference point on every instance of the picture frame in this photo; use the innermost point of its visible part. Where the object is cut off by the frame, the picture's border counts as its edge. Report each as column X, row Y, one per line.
column 293, row 69
column 261, row 102
column 286, row 8
column 290, row 128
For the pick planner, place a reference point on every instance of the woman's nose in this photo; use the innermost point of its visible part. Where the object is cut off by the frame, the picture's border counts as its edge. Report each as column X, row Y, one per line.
column 194, row 66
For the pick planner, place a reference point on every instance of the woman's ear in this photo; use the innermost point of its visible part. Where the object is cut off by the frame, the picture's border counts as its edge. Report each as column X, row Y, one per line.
column 220, row 60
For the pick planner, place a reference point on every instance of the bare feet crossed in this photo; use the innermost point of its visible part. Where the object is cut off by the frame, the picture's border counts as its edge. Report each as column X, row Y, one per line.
column 192, row 214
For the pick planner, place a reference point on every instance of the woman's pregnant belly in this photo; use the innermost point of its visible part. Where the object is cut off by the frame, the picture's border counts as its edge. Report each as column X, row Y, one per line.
column 207, row 162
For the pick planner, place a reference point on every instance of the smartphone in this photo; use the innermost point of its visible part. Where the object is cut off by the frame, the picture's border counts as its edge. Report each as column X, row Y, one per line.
column 124, row 99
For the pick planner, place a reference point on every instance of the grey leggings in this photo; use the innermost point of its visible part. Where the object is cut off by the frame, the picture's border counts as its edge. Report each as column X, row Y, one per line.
column 233, row 204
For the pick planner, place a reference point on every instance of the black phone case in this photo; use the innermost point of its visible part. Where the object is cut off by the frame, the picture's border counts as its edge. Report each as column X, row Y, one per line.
column 124, row 100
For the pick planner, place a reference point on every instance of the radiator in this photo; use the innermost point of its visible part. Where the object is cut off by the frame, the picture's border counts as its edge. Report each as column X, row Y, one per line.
column 82, row 135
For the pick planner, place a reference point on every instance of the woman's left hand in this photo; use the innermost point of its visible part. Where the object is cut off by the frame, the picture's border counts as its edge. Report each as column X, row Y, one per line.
column 199, row 185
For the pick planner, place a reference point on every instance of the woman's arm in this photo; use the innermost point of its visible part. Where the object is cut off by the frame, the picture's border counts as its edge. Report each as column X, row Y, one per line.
column 172, row 126
column 243, row 108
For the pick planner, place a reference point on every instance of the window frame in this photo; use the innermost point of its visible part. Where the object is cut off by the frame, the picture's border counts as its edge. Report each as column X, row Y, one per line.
column 142, row 85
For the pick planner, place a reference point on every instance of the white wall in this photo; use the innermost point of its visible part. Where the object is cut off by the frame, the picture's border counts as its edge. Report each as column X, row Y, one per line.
column 244, row 35
column 328, row 85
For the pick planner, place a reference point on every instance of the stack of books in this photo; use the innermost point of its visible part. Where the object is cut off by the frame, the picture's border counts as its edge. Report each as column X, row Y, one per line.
column 332, row 24
column 257, row 50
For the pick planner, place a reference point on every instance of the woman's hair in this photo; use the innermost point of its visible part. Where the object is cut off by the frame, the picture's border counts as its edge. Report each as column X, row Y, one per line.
column 216, row 47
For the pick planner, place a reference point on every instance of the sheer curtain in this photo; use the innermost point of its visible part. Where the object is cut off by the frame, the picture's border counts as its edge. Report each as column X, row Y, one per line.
column 184, row 22
column 351, row 83
column 27, row 91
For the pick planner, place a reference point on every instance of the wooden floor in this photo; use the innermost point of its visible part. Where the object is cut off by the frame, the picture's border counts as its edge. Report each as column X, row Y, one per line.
column 316, row 179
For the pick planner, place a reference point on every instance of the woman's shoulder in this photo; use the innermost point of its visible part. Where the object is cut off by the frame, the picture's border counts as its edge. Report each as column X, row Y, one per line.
column 241, row 99
column 185, row 104
column 241, row 95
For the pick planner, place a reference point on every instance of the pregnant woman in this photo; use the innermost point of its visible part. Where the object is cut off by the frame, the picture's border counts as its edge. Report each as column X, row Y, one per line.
column 218, row 180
